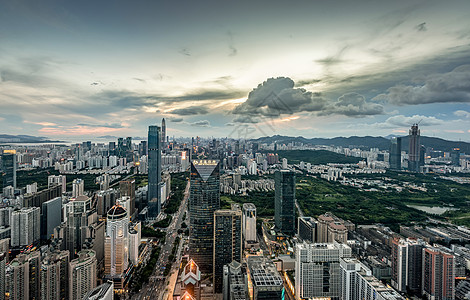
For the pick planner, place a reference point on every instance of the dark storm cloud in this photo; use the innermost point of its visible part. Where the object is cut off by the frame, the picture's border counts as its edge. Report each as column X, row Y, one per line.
column 278, row 96
column 353, row 105
column 304, row 82
column 174, row 120
column 191, row 110
column 450, row 87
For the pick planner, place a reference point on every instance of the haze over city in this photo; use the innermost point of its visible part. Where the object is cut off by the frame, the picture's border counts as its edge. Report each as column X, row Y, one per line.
column 87, row 69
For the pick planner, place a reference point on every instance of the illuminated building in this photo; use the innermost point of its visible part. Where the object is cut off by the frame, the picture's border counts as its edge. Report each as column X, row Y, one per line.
column 204, row 200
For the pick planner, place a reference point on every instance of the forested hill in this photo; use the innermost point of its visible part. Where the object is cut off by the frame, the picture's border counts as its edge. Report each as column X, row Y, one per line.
column 367, row 142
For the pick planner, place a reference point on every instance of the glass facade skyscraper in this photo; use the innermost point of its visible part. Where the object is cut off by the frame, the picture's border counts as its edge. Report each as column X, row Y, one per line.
column 154, row 171
column 9, row 168
column 284, row 198
column 204, row 200
column 414, row 149
column 395, row 153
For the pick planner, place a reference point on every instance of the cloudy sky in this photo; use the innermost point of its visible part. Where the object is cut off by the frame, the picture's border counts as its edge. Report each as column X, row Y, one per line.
column 86, row 69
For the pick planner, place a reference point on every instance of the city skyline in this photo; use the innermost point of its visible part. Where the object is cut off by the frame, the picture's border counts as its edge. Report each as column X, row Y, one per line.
column 87, row 70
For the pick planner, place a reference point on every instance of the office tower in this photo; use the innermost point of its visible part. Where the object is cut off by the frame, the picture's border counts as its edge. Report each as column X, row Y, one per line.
column 57, row 180
column 317, row 271
column 306, row 229
column 154, row 171
column 265, row 281
column 127, row 188
column 9, row 168
column 116, row 245
column 77, row 215
column 455, row 156
column 78, row 188
column 82, row 274
column 357, row 283
column 227, row 241
column 25, row 226
column 406, row 262
column 3, row 262
column 284, row 198
column 54, row 275
column 414, row 149
column 249, row 223
column 51, row 217
column 105, row 200
column 235, row 281
column 134, row 243
column 438, row 274
column 163, row 138
column 112, row 148
column 104, row 291
column 395, row 153
column 204, row 200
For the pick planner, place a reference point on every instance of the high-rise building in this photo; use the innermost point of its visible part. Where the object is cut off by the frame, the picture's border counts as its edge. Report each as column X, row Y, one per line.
column 154, row 171
column 82, row 274
column 204, row 200
column 127, row 188
column 3, row 262
column 77, row 216
column 134, row 243
column 104, row 291
column 414, row 149
column 235, row 281
column 284, row 198
column 265, row 281
column 249, row 223
column 25, row 226
column 57, row 180
column 51, row 217
column 455, row 156
column 25, row 276
column 9, row 168
column 54, row 275
column 395, row 153
column 357, row 283
column 78, row 188
column 116, row 245
column 227, row 241
column 307, row 228
column 163, row 138
column 406, row 262
column 438, row 274
column 317, row 270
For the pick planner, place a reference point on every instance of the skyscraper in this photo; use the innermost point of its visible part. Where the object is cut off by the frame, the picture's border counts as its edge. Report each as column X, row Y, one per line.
column 265, row 281
column 227, row 241
column 24, row 276
column 307, row 228
column 438, row 274
column 3, row 261
column 406, row 261
column 78, row 188
column 284, row 198
column 9, row 168
column 204, row 200
column 317, row 269
column 82, row 274
column 163, row 138
column 455, row 156
column 116, row 244
column 54, row 275
column 25, row 226
column 395, row 153
column 414, row 149
column 51, row 217
column 154, row 171
column 127, row 188
column 249, row 223
column 77, row 215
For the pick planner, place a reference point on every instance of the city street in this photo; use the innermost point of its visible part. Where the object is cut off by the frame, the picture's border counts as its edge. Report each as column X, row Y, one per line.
column 156, row 288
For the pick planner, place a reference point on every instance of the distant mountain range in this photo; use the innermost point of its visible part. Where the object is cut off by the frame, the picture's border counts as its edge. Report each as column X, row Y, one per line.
column 8, row 138
column 366, row 142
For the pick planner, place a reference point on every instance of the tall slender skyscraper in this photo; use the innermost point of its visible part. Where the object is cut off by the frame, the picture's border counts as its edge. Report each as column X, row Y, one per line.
column 227, row 241
column 154, row 171
column 284, row 198
column 9, row 168
column 163, row 140
column 395, row 153
column 204, row 200
column 414, row 149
